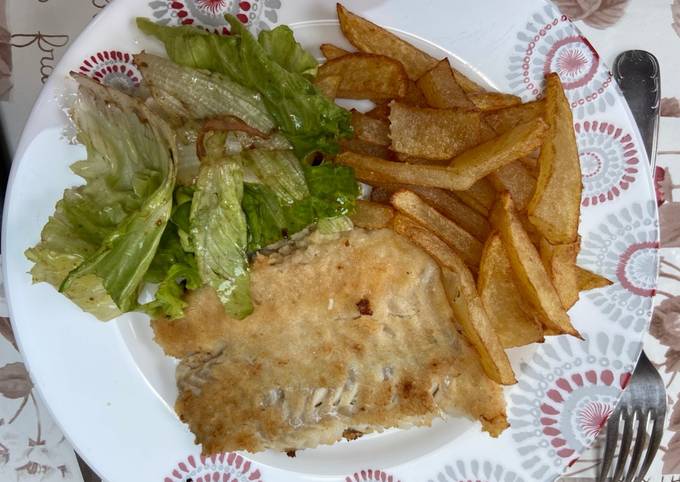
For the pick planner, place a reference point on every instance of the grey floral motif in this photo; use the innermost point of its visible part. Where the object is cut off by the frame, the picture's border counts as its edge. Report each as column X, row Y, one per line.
column 675, row 11
column 15, row 382
column 6, row 331
column 670, row 107
column 596, row 13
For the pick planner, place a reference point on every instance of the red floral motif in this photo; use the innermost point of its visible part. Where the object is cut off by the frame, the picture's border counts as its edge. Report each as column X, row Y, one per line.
column 591, row 418
column 609, row 161
column 112, row 67
column 370, row 476
column 574, row 59
column 225, row 467
column 628, row 263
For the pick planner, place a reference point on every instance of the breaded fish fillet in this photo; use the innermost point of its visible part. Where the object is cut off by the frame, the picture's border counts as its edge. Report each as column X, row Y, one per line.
column 351, row 334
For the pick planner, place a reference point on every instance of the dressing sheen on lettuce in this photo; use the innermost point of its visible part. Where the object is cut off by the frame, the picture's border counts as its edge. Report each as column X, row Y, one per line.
column 309, row 120
column 333, row 191
column 103, row 235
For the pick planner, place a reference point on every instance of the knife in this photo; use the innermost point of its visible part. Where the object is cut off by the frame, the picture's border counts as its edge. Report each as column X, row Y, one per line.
column 637, row 73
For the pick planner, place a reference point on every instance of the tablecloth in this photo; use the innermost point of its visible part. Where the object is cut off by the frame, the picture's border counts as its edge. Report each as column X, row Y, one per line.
column 34, row 34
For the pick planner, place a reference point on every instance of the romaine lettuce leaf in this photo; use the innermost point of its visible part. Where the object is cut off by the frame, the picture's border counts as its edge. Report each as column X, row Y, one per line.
column 281, row 46
column 193, row 94
column 175, row 271
column 308, row 119
column 280, row 171
column 103, row 235
column 333, row 192
column 219, row 235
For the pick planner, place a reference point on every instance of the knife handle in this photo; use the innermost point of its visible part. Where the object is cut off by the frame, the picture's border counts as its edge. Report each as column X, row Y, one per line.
column 637, row 73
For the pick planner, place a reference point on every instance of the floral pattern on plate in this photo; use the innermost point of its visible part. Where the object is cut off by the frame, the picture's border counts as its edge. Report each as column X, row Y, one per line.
column 225, row 467
column 113, row 68
column 569, row 388
column 551, row 43
column 256, row 14
column 609, row 161
column 624, row 249
column 476, row 470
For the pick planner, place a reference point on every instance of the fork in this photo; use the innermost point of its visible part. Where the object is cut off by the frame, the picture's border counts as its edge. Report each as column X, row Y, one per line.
column 644, row 400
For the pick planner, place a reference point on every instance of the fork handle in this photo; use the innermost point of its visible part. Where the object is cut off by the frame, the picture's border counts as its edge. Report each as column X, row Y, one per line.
column 637, row 73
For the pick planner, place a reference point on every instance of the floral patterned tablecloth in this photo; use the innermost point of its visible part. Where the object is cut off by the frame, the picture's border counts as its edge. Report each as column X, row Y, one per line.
column 34, row 34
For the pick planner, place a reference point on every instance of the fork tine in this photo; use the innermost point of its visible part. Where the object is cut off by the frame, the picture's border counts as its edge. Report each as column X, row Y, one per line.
column 639, row 445
column 626, row 439
column 658, row 419
column 610, row 443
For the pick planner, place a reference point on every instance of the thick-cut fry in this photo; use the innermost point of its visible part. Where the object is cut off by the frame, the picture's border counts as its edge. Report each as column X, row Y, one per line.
column 441, row 90
column 587, row 280
column 432, row 133
column 380, row 111
column 516, row 179
column 503, row 120
column 492, row 101
column 366, row 148
column 371, row 215
column 370, row 130
column 555, row 208
column 468, row 85
column 368, row 37
column 373, row 170
column 514, row 322
column 480, row 161
column 331, row 51
column 530, row 274
column 462, row 242
column 443, row 201
column 465, row 301
column 367, row 76
column 414, row 96
column 560, row 262
column 481, row 196
column 401, row 157
column 329, row 85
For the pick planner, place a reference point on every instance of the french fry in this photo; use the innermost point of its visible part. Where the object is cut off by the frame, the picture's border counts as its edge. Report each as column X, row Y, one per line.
column 462, row 242
column 465, row 302
column 481, row 196
column 373, row 170
column 501, row 121
column 366, row 148
column 555, row 208
column 432, row 133
column 560, row 263
column 515, row 323
column 382, row 194
column 329, row 85
column 530, row 275
column 380, row 112
column 367, row 76
column 441, row 90
column 443, row 201
column 371, row 215
column 370, row 130
column 414, row 96
column 587, row 280
column 468, row 85
column 369, row 37
column 492, row 101
column 331, row 51
column 478, row 162
column 516, row 179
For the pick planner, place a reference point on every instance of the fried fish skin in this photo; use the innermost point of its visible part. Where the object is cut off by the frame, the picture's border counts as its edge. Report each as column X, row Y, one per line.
column 351, row 333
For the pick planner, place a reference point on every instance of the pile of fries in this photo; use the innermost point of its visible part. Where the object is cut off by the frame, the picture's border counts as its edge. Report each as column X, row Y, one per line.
column 488, row 186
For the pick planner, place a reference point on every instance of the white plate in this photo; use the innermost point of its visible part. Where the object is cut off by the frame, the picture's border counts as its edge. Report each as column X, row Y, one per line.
column 112, row 390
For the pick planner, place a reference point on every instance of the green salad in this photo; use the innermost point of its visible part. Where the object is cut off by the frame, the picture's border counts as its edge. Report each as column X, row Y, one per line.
column 225, row 149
